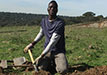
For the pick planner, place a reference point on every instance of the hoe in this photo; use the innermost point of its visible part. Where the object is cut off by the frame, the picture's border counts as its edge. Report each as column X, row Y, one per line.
column 18, row 62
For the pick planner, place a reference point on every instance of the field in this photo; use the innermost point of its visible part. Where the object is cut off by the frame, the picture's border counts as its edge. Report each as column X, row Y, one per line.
column 85, row 46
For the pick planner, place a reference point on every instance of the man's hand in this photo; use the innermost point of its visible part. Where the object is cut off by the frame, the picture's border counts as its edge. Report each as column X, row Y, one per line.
column 28, row 47
column 38, row 59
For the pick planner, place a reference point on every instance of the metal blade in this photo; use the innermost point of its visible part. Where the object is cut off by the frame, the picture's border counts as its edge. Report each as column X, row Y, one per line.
column 3, row 63
column 19, row 61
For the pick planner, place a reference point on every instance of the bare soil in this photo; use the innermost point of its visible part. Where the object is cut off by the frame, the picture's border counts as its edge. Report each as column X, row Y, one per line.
column 81, row 70
column 99, row 70
column 74, row 70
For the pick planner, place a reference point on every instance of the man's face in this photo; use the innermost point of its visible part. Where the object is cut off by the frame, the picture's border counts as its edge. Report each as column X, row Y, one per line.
column 52, row 9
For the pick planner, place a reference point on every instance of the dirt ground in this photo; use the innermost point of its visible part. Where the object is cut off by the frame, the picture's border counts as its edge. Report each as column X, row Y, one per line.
column 74, row 70
column 88, row 70
column 81, row 70
column 101, row 70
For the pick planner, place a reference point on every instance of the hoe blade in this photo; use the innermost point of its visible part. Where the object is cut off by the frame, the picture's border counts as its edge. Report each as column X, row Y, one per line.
column 3, row 63
column 19, row 61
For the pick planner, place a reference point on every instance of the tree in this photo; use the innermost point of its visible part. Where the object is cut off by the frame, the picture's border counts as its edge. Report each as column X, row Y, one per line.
column 105, row 17
column 100, row 17
column 89, row 14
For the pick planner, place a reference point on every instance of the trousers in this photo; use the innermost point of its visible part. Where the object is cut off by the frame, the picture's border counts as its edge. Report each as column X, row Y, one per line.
column 55, row 60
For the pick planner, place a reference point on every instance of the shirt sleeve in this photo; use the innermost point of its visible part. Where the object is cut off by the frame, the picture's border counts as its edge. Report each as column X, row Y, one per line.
column 39, row 35
column 54, row 39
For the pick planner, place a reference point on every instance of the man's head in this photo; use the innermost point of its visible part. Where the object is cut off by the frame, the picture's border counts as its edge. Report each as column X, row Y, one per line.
column 52, row 8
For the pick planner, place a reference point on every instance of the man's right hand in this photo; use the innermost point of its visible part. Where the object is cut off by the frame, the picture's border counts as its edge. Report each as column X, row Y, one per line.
column 28, row 47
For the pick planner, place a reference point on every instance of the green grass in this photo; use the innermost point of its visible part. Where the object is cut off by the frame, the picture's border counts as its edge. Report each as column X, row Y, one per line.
column 83, row 45
column 86, row 45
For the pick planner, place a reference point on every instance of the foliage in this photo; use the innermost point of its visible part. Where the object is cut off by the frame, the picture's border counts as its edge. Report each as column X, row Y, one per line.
column 19, row 19
column 88, row 14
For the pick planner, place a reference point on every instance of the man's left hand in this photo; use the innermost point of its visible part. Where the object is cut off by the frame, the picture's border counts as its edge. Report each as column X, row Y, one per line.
column 37, row 60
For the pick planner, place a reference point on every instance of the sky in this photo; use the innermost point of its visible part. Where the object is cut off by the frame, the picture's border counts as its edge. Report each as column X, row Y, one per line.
column 65, row 7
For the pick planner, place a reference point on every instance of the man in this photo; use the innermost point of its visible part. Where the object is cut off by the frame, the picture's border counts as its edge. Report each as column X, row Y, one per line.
column 52, row 28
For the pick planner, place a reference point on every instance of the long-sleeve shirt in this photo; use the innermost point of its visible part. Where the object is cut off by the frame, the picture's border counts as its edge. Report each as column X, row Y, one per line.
column 54, row 35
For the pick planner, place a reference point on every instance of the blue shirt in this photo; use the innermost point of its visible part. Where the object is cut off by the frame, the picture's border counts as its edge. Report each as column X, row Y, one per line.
column 56, row 26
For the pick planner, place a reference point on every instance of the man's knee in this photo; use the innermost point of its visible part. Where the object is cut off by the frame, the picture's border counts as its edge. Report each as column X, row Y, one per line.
column 62, row 70
column 44, row 63
column 61, row 63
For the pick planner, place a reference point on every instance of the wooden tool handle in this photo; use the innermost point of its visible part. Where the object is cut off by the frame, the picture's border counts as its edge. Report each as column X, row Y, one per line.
column 31, row 56
column 30, row 53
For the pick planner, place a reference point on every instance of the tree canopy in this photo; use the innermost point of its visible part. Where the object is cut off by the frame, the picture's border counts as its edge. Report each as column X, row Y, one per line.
column 19, row 19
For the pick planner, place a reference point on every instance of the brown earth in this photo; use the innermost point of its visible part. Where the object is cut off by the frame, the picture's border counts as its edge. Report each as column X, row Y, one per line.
column 81, row 69
column 99, row 24
column 99, row 70
column 78, row 69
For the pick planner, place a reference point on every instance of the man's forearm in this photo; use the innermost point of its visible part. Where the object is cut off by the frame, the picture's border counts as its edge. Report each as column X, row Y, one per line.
column 54, row 39
column 38, row 37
